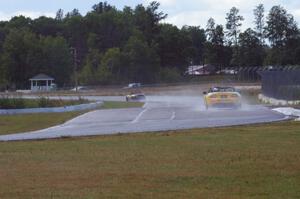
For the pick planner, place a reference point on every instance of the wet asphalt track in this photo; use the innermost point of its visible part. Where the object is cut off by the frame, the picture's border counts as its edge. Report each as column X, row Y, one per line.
column 159, row 114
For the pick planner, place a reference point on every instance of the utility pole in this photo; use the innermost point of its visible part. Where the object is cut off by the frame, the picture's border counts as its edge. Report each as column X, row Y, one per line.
column 74, row 52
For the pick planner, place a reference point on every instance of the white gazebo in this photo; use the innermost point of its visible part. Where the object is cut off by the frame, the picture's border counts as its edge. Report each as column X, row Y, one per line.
column 41, row 82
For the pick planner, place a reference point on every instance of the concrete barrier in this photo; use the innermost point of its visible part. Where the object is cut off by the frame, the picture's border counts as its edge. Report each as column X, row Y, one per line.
column 80, row 107
column 277, row 102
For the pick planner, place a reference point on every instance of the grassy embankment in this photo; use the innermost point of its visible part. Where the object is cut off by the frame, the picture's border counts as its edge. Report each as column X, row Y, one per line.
column 261, row 161
column 29, row 122
column 116, row 105
column 42, row 102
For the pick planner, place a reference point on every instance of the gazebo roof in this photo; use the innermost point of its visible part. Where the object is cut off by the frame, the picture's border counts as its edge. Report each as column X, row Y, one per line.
column 41, row 77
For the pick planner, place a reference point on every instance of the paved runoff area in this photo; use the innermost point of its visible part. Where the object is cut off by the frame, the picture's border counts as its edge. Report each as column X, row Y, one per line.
column 160, row 113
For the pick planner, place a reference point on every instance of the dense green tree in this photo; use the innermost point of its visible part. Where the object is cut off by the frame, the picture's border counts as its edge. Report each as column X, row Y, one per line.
column 3, row 77
column 87, row 75
column 102, row 7
column 89, row 71
column 46, row 26
column 59, row 15
column 233, row 25
column 171, row 47
column 154, row 14
column 3, row 34
column 291, row 51
column 218, row 37
column 283, row 34
column 147, row 19
column 57, row 59
column 74, row 13
column 20, row 50
column 112, row 66
column 215, row 50
column 210, row 29
column 259, row 22
column 19, row 22
column 251, row 52
column 196, row 38
column 104, row 75
column 107, row 30
column 26, row 55
column 280, row 26
column 75, row 32
column 142, row 60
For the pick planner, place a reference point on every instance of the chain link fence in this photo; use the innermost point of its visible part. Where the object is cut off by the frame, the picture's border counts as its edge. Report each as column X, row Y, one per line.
column 248, row 73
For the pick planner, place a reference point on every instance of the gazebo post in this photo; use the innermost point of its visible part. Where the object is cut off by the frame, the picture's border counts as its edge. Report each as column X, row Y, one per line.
column 31, row 84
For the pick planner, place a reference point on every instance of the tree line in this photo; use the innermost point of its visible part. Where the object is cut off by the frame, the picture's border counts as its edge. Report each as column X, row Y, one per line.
column 134, row 45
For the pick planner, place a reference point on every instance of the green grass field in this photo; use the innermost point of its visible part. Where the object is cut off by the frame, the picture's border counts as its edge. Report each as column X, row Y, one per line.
column 260, row 161
column 10, row 124
column 114, row 105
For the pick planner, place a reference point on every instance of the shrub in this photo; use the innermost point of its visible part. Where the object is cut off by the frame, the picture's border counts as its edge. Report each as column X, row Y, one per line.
column 12, row 103
column 43, row 102
column 7, row 102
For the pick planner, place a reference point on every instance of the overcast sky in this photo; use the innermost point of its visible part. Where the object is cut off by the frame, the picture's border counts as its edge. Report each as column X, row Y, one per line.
column 180, row 12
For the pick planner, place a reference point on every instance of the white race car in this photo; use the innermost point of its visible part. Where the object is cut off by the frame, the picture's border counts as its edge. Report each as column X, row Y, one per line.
column 137, row 97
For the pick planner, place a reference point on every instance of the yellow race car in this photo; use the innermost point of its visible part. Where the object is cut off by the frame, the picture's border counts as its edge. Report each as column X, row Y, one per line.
column 222, row 97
